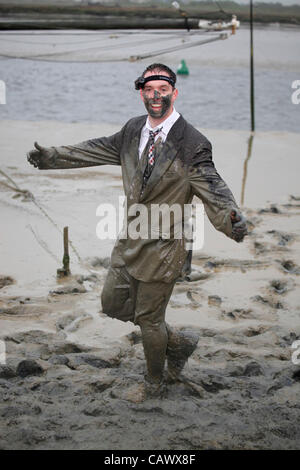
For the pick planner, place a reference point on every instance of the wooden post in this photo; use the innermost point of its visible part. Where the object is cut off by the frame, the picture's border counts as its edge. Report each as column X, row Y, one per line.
column 66, row 258
column 65, row 270
column 250, row 142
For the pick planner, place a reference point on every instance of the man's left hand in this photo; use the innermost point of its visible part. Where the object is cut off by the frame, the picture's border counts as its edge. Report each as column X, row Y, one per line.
column 239, row 227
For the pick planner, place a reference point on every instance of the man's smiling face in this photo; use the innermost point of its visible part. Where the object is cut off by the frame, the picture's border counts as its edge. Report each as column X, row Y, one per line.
column 158, row 97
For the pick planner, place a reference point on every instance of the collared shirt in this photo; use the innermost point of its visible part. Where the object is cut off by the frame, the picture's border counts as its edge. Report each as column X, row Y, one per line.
column 166, row 126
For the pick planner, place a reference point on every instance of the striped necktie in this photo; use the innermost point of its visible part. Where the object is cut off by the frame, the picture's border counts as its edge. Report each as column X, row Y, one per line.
column 150, row 157
column 151, row 154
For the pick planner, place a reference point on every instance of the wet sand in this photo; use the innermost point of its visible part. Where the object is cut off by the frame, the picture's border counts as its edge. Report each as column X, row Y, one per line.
column 72, row 378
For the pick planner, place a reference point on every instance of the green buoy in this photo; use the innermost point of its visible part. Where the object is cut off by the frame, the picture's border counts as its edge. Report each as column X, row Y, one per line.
column 183, row 69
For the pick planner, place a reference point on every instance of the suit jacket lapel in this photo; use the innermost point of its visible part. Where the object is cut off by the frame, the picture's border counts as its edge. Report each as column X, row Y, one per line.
column 167, row 154
column 137, row 176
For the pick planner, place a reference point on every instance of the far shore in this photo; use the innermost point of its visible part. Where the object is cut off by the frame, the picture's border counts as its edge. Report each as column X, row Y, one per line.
column 37, row 16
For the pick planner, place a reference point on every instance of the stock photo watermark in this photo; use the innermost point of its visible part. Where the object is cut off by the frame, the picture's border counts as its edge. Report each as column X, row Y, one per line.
column 2, row 92
column 159, row 221
column 2, row 352
column 295, row 97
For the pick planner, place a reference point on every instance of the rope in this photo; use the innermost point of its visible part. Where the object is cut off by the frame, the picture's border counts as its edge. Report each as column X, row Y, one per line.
column 40, row 59
column 110, row 32
column 43, row 244
column 44, row 58
column 31, row 197
column 105, row 47
column 177, row 48
column 221, row 9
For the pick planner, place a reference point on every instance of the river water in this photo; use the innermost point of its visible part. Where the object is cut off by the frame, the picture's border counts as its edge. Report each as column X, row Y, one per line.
column 82, row 76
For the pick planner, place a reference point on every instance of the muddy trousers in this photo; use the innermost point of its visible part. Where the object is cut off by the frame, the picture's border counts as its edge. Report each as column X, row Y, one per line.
column 144, row 304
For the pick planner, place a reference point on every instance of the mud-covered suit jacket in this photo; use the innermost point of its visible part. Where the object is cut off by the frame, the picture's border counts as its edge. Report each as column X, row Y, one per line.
column 184, row 168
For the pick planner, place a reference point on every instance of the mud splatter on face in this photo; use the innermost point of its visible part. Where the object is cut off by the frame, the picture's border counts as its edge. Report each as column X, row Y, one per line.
column 157, row 106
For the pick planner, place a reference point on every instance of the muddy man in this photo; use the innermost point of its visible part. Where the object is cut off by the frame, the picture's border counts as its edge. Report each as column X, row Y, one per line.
column 164, row 160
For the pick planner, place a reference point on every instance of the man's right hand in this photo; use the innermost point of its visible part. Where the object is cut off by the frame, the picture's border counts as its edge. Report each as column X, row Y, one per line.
column 239, row 226
column 41, row 157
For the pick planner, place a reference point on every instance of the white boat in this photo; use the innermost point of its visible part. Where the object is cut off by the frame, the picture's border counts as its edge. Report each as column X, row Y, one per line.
column 219, row 25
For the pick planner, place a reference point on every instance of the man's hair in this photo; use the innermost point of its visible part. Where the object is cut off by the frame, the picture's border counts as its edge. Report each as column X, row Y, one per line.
column 160, row 68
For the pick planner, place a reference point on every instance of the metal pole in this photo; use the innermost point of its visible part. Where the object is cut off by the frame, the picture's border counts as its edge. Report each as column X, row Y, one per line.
column 252, row 70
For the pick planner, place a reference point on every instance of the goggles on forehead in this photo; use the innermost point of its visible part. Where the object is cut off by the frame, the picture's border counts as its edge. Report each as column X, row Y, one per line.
column 141, row 81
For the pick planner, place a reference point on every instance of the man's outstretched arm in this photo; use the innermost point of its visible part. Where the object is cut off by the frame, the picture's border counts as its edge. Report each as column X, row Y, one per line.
column 102, row 151
column 218, row 200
